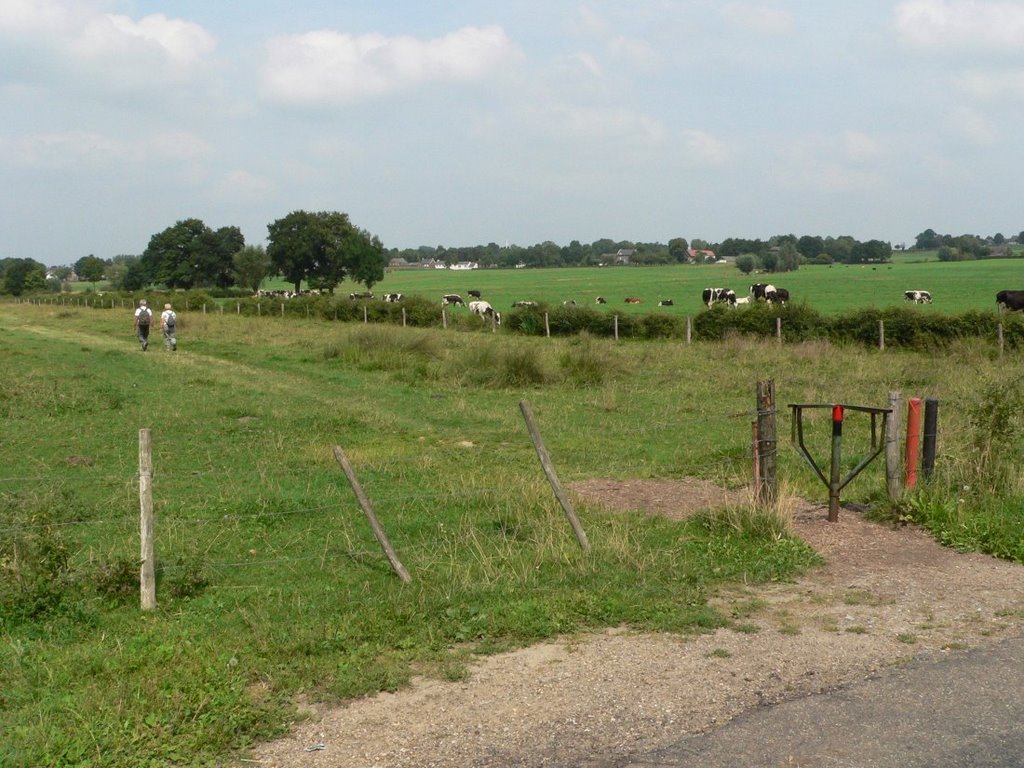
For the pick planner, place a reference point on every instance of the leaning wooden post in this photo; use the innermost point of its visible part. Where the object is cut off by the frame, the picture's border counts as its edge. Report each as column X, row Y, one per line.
column 547, row 326
column 364, row 502
column 767, row 489
column 147, row 577
column 549, row 470
column 881, row 335
column 893, row 479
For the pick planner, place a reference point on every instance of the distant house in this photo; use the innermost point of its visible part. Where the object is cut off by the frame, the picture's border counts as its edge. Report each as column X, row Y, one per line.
column 398, row 261
column 623, row 255
column 700, row 255
column 465, row 265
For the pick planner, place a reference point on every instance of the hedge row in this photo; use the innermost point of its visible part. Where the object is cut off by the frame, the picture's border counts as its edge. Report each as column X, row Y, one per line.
column 905, row 327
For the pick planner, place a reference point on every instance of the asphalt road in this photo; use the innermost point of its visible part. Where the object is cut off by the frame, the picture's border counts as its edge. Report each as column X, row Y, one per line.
column 965, row 709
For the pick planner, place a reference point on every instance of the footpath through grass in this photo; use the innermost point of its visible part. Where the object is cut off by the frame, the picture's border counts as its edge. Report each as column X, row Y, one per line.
column 270, row 582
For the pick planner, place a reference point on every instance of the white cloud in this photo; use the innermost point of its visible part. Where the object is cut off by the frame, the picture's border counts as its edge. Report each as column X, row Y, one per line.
column 761, row 19
column 942, row 25
column 330, row 67
column 699, row 148
column 974, row 127
column 181, row 42
column 992, row 86
column 241, row 185
column 76, row 150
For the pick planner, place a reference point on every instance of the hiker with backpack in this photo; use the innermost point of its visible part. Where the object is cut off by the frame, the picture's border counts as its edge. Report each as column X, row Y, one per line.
column 168, row 321
column 143, row 317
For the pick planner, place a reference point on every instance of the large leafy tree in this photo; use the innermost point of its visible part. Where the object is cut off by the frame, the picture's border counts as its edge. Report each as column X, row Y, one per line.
column 90, row 268
column 251, row 265
column 191, row 254
column 18, row 276
column 323, row 249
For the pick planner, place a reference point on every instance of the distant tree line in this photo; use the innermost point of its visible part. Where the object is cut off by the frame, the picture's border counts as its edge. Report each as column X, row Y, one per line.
column 320, row 249
column 967, row 247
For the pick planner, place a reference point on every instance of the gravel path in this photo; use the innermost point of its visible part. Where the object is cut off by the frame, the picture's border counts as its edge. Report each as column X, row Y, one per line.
column 884, row 596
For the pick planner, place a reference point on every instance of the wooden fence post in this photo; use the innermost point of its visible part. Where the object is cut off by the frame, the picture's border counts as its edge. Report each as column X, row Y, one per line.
column 778, row 329
column 147, row 576
column 767, row 490
column 689, row 329
column 549, row 470
column 893, row 478
column 999, row 335
column 403, row 317
column 881, row 335
column 364, row 502
column 616, row 327
column 547, row 326
column 365, row 320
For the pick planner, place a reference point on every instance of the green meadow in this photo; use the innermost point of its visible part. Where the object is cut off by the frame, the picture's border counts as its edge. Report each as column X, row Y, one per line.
column 955, row 286
column 270, row 583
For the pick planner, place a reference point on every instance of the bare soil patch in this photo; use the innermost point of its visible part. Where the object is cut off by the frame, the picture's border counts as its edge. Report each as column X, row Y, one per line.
column 885, row 595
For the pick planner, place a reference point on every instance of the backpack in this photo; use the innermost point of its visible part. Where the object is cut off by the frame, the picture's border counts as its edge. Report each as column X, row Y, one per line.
column 171, row 320
column 144, row 315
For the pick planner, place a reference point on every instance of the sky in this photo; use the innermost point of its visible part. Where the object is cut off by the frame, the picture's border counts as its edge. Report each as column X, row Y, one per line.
column 465, row 123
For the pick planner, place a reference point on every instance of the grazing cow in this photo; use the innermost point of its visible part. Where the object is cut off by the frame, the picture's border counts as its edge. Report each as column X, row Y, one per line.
column 778, row 296
column 524, row 304
column 600, row 300
column 718, row 296
column 485, row 310
column 918, row 297
column 1010, row 300
column 569, row 303
column 632, row 300
column 741, row 300
column 666, row 303
column 394, row 297
column 761, row 291
column 360, row 295
column 451, row 298
column 474, row 294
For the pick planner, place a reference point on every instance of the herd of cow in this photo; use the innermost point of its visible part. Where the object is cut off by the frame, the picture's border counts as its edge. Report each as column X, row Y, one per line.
column 1007, row 299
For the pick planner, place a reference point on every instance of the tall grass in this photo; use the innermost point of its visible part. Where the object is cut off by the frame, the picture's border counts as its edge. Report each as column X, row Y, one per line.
column 271, row 582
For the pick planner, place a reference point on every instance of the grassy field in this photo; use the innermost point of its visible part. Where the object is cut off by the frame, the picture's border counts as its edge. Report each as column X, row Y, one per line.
column 956, row 286
column 270, row 581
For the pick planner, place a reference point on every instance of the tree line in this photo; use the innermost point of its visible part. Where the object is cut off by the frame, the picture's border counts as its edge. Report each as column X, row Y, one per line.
column 324, row 248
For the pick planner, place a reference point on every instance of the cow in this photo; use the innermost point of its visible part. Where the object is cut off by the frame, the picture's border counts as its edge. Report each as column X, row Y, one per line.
column 665, row 303
column 394, row 297
column 918, row 297
column 485, row 310
column 744, row 300
column 516, row 304
column 718, row 296
column 1010, row 300
column 474, row 294
column 778, row 296
column 360, row 295
column 632, row 300
column 761, row 291
column 451, row 298
column 569, row 303
column 600, row 300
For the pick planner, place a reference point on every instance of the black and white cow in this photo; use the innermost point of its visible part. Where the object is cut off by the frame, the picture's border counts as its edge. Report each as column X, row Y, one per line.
column 600, row 300
column 451, row 298
column 516, row 304
column 394, row 297
column 718, row 296
column 666, row 303
column 778, row 296
column 485, row 310
column 918, row 297
column 360, row 295
column 1011, row 300
column 761, row 291
column 474, row 294
column 569, row 303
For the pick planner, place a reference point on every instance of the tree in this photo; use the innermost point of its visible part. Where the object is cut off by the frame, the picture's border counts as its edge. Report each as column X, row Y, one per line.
column 810, row 247
column 789, row 257
column 22, row 276
column 324, row 248
column 90, row 268
column 678, row 250
column 746, row 262
column 191, row 254
column 251, row 265
column 927, row 240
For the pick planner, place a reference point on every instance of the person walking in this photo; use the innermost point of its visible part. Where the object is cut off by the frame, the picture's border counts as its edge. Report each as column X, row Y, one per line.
column 168, row 321
column 143, row 317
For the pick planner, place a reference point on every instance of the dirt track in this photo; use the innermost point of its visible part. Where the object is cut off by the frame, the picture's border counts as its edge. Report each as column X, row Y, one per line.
column 884, row 595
